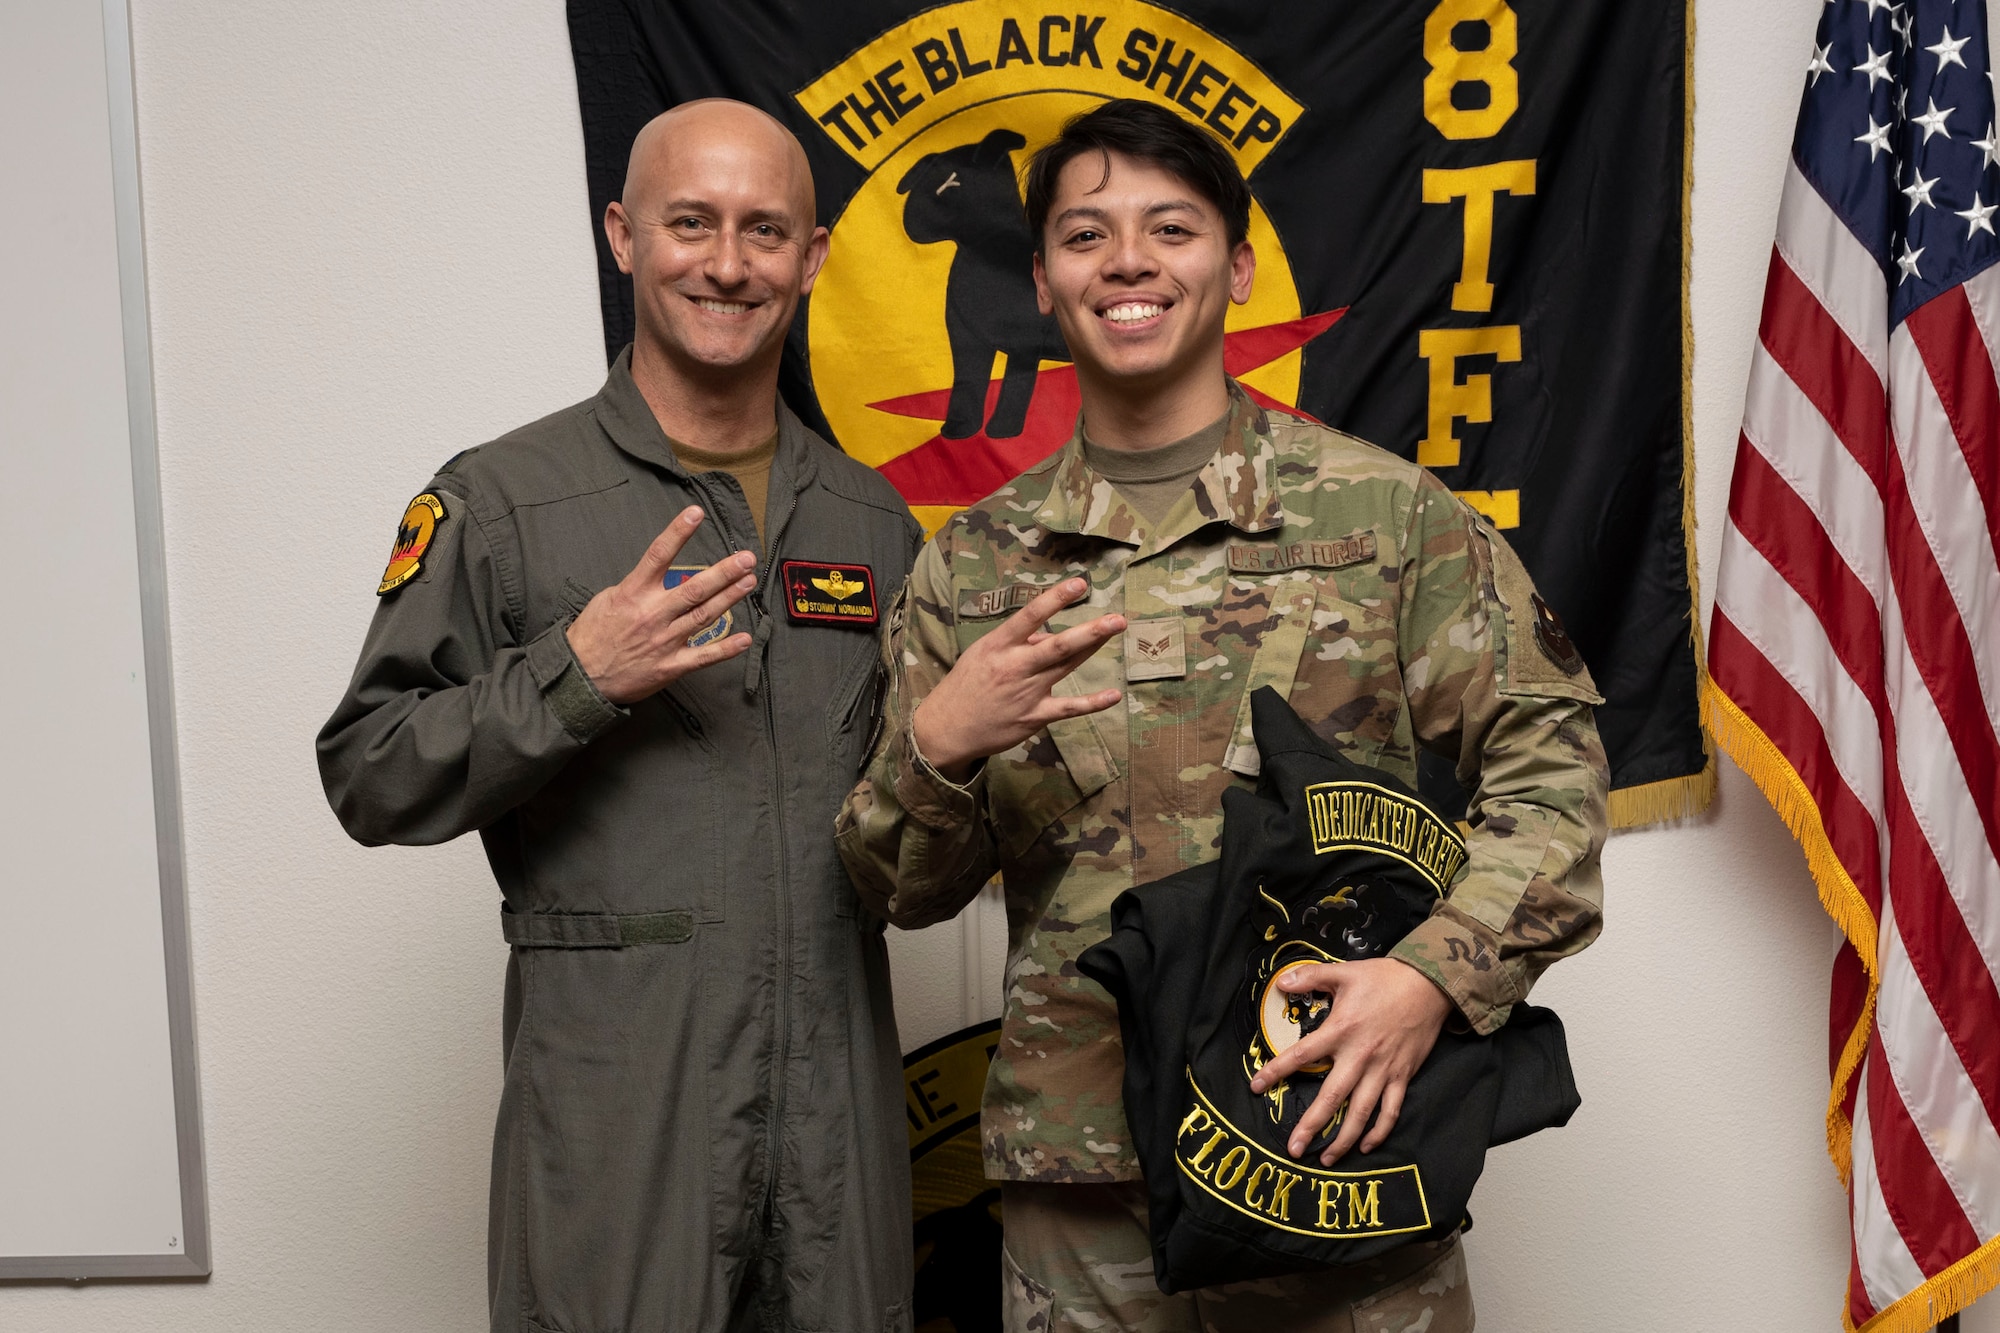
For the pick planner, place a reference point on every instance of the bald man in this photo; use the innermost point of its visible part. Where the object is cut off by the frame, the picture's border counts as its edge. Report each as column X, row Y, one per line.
column 632, row 646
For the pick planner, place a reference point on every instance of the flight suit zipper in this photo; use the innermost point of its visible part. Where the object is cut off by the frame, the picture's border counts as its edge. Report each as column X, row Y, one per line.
column 782, row 983
column 759, row 680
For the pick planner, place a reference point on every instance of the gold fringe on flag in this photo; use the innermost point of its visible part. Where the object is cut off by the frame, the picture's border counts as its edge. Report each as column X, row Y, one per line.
column 1939, row 1298
column 1675, row 798
column 1756, row 754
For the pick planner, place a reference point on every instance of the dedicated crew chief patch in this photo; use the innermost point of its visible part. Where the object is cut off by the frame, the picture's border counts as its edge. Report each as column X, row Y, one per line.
column 413, row 538
column 823, row 594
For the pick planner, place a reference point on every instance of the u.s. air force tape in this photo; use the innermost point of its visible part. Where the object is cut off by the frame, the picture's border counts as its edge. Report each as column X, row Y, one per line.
column 1291, row 1196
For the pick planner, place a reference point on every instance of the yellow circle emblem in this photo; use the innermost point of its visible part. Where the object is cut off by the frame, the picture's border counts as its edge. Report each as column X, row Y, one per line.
column 413, row 538
column 1285, row 1016
column 929, row 357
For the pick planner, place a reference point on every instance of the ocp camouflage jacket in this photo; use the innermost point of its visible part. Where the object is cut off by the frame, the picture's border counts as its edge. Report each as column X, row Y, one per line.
column 1301, row 558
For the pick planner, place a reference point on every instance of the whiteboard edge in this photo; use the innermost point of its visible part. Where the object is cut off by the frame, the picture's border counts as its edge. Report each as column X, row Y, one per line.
column 194, row 1259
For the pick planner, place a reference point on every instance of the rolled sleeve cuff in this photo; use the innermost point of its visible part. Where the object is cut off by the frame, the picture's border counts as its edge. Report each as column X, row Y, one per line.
column 1463, row 961
column 928, row 796
column 567, row 689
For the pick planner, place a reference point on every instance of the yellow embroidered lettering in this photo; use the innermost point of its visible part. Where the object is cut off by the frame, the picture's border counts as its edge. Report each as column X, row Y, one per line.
column 1364, row 1210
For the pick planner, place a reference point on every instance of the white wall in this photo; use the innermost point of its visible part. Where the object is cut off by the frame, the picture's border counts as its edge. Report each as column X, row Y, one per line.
column 368, row 246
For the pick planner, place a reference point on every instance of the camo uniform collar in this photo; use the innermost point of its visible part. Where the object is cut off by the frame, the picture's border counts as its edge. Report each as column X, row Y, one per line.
column 1238, row 486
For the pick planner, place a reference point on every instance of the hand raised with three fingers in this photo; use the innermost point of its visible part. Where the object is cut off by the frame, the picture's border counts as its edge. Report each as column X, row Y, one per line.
column 1001, row 690
column 632, row 638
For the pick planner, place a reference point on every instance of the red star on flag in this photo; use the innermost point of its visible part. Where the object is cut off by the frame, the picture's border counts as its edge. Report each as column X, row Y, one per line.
column 959, row 472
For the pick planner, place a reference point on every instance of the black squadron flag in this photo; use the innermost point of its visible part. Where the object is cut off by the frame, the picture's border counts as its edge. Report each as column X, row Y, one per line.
column 1469, row 221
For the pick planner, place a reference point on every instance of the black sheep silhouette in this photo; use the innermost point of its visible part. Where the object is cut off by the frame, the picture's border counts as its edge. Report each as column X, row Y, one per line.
column 967, row 195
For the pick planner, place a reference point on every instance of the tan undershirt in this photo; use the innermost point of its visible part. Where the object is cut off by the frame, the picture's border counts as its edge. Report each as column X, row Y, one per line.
column 1152, row 480
column 751, row 468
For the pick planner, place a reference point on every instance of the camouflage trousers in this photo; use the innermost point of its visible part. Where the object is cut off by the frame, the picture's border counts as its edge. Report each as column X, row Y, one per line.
column 1078, row 1259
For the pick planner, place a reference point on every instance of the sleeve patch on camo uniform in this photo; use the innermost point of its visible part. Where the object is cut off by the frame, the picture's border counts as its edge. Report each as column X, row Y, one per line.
column 725, row 624
column 413, row 538
column 822, row 594
column 1553, row 638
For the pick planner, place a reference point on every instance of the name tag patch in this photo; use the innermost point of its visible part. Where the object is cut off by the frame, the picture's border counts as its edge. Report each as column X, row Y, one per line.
column 999, row 601
column 824, row 594
column 1276, row 557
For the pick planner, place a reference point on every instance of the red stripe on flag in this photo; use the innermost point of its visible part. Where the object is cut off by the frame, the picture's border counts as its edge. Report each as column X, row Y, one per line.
column 1850, row 996
column 1916, row 1193
column 1942, row 951
column 1859, row 1311
column 1759, row 690
column 1942, row 651
column 1820, row 358
column 1785, row 530
column 1955, row 354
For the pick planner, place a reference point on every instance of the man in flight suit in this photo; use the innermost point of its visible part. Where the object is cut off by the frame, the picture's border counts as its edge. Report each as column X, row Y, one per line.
column 1069, row 696
column 632, row 646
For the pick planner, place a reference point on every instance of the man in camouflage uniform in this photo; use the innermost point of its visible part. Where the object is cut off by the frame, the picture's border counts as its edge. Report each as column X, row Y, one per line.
column 1070, row 681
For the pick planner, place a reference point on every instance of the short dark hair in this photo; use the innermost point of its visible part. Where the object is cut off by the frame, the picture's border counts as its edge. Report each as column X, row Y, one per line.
column 1147, row 133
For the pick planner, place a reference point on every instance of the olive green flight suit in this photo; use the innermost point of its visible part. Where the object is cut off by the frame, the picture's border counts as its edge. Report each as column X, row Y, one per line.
column 701, row 1122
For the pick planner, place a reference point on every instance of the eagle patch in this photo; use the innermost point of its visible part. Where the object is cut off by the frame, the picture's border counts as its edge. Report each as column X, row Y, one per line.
column 822, row 594
column 413, row 538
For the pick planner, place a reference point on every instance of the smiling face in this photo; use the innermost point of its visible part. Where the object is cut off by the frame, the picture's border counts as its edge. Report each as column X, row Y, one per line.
column 1137, row 268
column 716, row 229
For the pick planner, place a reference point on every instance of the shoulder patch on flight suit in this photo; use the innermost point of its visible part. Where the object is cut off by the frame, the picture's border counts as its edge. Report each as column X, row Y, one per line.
column 413, row 538
column 817, row 593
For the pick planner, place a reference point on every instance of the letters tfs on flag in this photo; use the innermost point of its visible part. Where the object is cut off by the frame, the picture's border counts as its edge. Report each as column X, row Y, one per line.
column 1854, row 654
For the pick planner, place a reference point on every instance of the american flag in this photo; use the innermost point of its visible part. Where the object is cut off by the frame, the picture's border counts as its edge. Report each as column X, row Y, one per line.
column 1854, row 656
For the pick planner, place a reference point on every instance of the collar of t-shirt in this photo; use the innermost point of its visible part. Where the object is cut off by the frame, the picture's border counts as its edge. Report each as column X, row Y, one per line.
column 1151, row 480
column 751, row 468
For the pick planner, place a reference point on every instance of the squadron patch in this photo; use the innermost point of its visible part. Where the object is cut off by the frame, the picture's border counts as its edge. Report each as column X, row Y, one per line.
column 413, row 538
column 722, row 628
column 1554, row 639
column 823, row 594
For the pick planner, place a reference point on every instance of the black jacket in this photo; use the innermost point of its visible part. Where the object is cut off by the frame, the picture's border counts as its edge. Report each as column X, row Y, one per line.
column 1326, row 861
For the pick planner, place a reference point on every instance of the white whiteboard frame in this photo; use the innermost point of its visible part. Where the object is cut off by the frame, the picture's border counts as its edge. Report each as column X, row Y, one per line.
column 193, row 1260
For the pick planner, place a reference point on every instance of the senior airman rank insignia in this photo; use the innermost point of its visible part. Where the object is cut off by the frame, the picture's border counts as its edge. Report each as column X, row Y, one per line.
column 725, row 624
column 823, row 594
column 413, row 538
